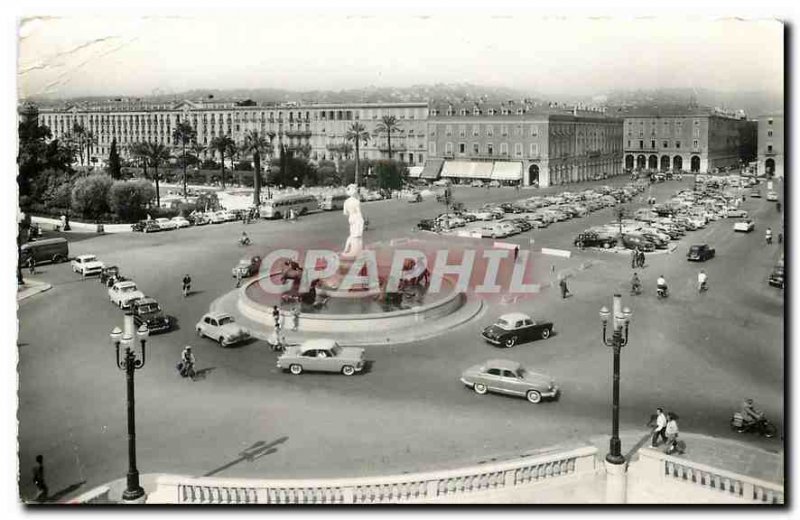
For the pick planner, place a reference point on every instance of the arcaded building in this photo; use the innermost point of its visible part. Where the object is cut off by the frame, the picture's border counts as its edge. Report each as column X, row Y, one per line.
column 770, row 144
column 521, row 143
column 317, row 130
column 689, row 139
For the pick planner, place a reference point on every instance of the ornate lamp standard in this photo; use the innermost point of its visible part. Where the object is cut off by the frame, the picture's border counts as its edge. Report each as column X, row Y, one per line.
column 129, row 362
column 618, row 339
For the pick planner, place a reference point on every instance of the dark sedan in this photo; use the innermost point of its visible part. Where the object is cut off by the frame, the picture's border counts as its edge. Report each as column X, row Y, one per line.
column 700, row 253
column 513, row 328
column 147, row 310
column 633, row 242
column 593, row 239
column 426, row 225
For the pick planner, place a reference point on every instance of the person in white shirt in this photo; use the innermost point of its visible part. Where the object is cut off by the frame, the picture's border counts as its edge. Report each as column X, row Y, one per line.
column 661, row 425
column 702, row 280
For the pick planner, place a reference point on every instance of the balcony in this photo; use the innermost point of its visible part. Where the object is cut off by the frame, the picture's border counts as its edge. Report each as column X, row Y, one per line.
column 298, row 133
column 395, row 148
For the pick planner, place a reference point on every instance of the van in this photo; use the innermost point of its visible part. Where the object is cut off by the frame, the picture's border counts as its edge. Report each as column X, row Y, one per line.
column 54, row 250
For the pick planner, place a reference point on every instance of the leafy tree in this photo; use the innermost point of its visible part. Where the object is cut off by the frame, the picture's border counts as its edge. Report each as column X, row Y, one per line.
column 390, row 174
column 388, row 125
column 114, row 165
column 139, row 151
column 207, row 201
column 129, row 199
column 90, row 195
column 358, row 135
column 78, row 138
column 183, row 135
column 221, row 145
column 328, row 176
column 157, row 154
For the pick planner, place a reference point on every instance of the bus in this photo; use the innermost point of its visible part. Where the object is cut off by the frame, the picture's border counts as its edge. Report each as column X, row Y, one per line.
column 331, row 202
column 280, row 207
column 54, row 250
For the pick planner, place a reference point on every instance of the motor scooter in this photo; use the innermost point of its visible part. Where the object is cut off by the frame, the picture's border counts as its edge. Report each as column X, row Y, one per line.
column 762, row 426
column 702, row 287
column 636, row 289
column 186, row 370
column 662, row 292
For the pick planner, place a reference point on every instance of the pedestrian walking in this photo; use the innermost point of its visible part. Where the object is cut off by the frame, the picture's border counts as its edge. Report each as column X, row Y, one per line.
column 516, row 253
column 562, row 283
column 32, row 264
column 780, row 238
column 640, row 258
column 672, row 434
column 634, row 258
column 295, row 318
column 276, row 315
column 38, row 480
column 660, row 430
column 238, row 278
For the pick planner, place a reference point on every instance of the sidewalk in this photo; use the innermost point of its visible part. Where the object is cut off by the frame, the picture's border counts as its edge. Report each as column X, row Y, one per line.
column 31, row 287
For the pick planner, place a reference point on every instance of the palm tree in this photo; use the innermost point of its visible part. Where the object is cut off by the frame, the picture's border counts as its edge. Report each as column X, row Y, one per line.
column 184, row 134
column 138, row 151
column 388, row 125
column 157, row 154
column 221, row 145
column 78, row 137
column 256, row 145
column 358, row 134
column 89, row 140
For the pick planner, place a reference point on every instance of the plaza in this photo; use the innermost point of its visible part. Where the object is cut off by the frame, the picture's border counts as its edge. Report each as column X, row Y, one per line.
column 696, row 354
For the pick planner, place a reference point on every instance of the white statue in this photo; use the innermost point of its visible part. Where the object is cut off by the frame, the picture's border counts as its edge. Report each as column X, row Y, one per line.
column 352, row 209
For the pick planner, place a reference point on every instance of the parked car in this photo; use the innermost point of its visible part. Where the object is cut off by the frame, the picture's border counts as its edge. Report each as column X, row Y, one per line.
column 594, row 239
column 217, row 217
column 483, row 215
column 426, row 224
column 494, row 184
column 248, row 266
column 147, row 311
column 221, row 328
column 700, row 253
column 510, row 378
column 139, row 226
column 87, row 265
column 151, row 226
column 776, row 277
column 633, row 242
column 522, row 223
column 123, row 293
column 198, row 219
column 493, row 230
column 516, row 327
column 181, row 222
column 756, row 194
column 477, row 184
column 656, row 239
column 166, row 224
column 772, row 196
column 322, row 355
column 744, row 226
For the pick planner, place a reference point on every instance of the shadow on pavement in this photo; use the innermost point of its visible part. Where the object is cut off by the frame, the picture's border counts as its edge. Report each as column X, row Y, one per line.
column 256, row 451
column 58, row 495
column 201, row 374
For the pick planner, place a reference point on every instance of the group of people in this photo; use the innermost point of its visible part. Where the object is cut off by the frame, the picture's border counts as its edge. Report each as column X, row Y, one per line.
column 666, row 430
column 637, row 258
column 277, row 340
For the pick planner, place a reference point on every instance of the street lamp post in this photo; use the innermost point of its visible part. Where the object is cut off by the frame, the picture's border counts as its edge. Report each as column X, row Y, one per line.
column 618, row 339
column 267, row 171
column 129, row 362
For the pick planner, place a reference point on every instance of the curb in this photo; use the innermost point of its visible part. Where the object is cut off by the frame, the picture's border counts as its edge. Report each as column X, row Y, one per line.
column 32, row 290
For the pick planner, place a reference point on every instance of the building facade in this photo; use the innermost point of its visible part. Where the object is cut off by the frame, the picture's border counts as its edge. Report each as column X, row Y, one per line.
column 521, row 143
column 770, row 144
column 696, row 140
column 316, row 130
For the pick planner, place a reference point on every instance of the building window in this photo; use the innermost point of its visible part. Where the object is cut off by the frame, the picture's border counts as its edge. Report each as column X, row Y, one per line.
column 476, row 149
column 769, row 133
column 769, row 122
column 653, row 144
column 448, row 148
column 462, row 131
column 677, row 144
column 448, row 130
column 518, row 149
column 432, row 148
column 503, row 131
column 696, row 122
column 665, row 144
column 490, row 130
column 489, row 149
column 534, row 149
column 476, row 130
column 534, row 130
column 462, row 148
column 629, row 143
column 696, row 132
column 769, row 148
column 641, row 144
column 694, row 144
column 503, row 148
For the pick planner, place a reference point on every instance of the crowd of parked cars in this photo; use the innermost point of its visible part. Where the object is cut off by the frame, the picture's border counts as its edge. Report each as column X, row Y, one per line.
column 500, row 220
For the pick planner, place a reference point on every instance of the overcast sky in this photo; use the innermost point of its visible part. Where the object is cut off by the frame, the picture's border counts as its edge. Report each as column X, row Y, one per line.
column 65, row 57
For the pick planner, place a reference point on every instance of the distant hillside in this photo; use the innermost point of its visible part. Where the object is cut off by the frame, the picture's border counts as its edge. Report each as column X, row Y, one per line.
column 753, row 103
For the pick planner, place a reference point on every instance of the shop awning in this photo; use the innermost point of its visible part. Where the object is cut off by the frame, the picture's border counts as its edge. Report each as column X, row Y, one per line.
column 432, row 169
column 507, row 171
column 467, row 170
column 415, row 171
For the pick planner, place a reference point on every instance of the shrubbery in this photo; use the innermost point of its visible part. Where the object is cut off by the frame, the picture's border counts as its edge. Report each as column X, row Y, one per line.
column 129, row 199
column 90, row 196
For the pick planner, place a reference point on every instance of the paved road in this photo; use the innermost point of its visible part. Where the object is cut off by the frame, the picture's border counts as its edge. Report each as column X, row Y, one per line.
column 698, row 355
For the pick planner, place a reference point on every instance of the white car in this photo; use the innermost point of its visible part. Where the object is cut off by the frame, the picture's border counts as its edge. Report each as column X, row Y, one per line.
column 736, row 213
column 122, row 294
column 772, row 196
column 181, row 222
column 745, row 226
column 165, row 224
column 481, row 214
column 217, row 217
column 477, row 184
column 87, row 265
column 221, row 328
